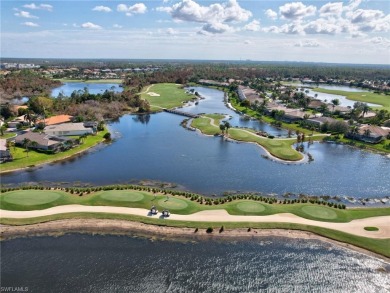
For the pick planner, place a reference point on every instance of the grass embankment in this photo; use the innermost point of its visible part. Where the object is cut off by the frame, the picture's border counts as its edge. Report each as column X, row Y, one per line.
column 31, row 199
column 367, row 97
column 280, row 148
column 378, row 147
column 169, row 95
column 42, row 199
column 118, row 81
column 22, row 159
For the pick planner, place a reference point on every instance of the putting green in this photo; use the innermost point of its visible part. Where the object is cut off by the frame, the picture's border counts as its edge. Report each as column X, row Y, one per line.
column 122, row 195
column 31, row 197
column 250, row 207
column 319, row 212
column 173, row 203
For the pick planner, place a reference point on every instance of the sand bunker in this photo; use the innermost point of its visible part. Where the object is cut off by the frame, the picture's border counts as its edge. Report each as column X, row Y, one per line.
column 152, row 94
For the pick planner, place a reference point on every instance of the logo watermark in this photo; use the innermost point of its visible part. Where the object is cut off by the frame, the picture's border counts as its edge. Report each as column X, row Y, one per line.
column 13, row 289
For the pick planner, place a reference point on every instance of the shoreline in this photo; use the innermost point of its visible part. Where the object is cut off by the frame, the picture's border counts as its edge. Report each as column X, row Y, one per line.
column 130, row 228
column 54, row 161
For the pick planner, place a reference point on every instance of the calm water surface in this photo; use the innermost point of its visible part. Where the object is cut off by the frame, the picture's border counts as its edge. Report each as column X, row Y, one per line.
column 82, row 263
column 94, row 88
column 156, row 147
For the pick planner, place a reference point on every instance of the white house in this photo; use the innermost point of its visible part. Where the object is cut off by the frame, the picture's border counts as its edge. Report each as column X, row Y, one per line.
column 67, row 129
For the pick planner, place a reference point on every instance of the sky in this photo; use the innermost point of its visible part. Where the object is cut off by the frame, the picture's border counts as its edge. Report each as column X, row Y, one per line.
column 350, row 31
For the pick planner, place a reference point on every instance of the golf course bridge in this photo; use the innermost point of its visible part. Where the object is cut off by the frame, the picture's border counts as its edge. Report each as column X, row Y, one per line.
column 182, row 113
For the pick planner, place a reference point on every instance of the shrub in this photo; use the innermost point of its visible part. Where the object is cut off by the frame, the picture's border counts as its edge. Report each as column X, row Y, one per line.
column 209, row 230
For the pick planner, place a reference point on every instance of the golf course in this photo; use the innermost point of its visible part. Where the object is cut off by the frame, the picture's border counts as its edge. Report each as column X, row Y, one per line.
column 364, row 227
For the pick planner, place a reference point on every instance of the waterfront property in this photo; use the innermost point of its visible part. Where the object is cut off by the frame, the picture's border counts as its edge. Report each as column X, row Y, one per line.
column 369, row 133
column 5, row 154
column 42, row 141
column 68, row 129
column 319, row 121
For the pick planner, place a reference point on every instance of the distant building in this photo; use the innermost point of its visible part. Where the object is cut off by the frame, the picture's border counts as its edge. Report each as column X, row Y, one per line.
column 5, row 154
column 319, row 121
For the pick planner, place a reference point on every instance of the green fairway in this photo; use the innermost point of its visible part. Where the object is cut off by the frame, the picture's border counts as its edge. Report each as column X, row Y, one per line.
column 280, row 148
column 122, row 195
column 165, row 95
column 173, row 203
column 367, row 97
column 250, row 207
column 320, row 212
column 31, row 197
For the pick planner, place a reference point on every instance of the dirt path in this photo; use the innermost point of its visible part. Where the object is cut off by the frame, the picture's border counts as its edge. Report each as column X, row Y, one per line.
column 355, row 227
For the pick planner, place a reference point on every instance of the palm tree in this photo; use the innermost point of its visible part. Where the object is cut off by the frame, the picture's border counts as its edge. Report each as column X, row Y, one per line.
column 222, row 127
column 367, row 132
column 335, row 102
column 365, row 109
column 26, row 143
column 227, row 126
column 354, row 130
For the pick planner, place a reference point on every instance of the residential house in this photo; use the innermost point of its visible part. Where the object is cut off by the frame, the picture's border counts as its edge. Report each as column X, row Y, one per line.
column 17, row 121
column 43, row 141
column 319, row 121
column 58, row 119
column 5, row 154
column 341, row 109
column 370, row 133
column 315, row 104
column 68, row 129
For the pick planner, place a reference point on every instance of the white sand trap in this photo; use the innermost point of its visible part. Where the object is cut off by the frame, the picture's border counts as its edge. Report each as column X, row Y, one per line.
column 152, row 94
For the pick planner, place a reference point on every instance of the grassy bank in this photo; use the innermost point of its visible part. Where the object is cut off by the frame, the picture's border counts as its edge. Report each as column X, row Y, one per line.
column 165, row 95
column 280, row 148
column 22, row 159
column 366, row 97
column 380, row 246
column 31, row 199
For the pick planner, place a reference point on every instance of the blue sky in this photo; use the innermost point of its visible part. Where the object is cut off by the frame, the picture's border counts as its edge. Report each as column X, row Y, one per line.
column 356, row 31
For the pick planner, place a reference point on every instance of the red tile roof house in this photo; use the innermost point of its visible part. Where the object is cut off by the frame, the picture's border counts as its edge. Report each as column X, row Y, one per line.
column 370, row 133
column 319, row 121
column 56, row 120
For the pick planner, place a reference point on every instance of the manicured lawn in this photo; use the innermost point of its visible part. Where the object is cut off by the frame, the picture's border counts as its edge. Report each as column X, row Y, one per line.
column 170, row 96
column 21, row 160
column 31, row 197
column 7, row 135
column 366, row 97
column 280, row 148
column 371, row 228
column 41, row 199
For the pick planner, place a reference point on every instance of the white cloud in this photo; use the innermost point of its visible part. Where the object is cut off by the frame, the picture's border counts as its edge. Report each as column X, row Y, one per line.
column 322, row 26
column 307, row 44
column 379, row 41
column 271, row 14
column 31, row 24
column 90, row 25
column 117, row 26
column 296, row 10
column 362, row 15
column 248, row 42
column 171, row 31
column 216, row 28
column 215, row 17
column 353, row 4
column 102, row 9
column 253, row 26
column 332, row 9
column 25, row 14
column 33, row 6
column 138, row 8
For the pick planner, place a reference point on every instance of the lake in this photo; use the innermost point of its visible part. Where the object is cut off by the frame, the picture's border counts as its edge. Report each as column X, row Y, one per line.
column 156, row 147
column 86, row 263
column 94, row 88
